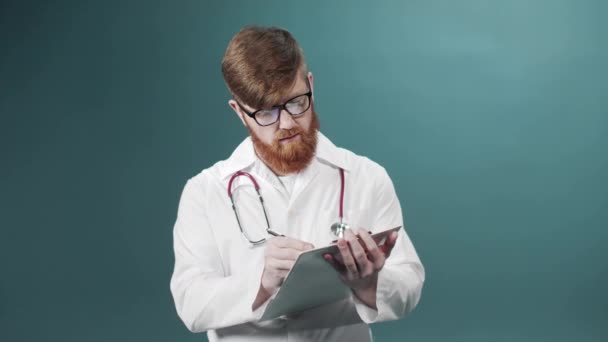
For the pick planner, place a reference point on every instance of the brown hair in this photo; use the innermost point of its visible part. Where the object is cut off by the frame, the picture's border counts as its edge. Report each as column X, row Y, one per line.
column 260, row 65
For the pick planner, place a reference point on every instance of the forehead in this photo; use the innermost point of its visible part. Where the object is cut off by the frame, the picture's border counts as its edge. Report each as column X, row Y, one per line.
column 297, row 87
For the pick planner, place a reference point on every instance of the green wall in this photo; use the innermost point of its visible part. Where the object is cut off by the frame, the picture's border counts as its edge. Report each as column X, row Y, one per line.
column 490, row 116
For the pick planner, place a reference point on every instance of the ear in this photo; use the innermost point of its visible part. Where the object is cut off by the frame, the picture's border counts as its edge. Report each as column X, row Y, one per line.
column 237, row 110
column 312, row 86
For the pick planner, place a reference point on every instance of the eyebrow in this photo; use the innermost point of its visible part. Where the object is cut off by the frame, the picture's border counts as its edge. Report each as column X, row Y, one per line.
column 294, row 94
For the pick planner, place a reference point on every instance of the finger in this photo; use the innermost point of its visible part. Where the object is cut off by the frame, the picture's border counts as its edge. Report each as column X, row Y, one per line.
column 333, row 262
column 373, row 252
column 338, row 258
column 277, row 264
column 363, row 263
column 347, row 258
column 388, row 245
column 286, row 242
column 282, row 253
column 280, row 275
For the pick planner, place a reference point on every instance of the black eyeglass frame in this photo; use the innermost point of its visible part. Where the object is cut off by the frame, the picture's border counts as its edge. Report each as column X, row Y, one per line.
column 280, row 107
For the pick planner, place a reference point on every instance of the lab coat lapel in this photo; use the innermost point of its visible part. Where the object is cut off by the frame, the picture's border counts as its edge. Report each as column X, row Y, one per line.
column 266, row 173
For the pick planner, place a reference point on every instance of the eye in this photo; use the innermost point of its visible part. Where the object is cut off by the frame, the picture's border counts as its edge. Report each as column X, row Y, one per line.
column 265, row 113
column 267, row 116
column 298, row 101
column 298, row 105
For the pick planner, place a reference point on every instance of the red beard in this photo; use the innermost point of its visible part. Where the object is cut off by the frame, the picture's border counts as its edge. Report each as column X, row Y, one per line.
column 291, row 157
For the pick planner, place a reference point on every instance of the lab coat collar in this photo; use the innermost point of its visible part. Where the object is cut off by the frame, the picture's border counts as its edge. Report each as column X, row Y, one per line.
column 244, row 156
column 329, row 153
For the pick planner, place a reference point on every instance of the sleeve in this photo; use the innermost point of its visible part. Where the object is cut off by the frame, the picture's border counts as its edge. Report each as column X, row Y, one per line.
column 401, row 279
column 205, row 297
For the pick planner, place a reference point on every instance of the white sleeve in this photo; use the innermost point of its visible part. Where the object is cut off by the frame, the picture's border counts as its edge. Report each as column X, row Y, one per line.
column 205, row 297
column 401, row 279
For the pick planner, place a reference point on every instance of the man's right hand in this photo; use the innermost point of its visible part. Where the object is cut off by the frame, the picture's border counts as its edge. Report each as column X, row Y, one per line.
column 279, row 257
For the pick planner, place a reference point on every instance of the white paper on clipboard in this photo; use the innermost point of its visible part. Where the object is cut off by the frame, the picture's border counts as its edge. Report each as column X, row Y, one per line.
column 312, row 282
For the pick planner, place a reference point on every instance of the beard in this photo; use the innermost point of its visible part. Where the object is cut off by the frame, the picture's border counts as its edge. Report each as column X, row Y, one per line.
column 290, row 157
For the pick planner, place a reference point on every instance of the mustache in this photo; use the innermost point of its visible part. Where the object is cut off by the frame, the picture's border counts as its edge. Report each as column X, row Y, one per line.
column 285, row 133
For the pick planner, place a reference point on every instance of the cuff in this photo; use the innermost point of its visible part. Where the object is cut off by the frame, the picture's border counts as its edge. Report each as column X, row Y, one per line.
column 370, row 315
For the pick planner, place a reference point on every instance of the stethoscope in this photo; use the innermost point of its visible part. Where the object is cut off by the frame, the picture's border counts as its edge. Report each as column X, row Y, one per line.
column 338, row 228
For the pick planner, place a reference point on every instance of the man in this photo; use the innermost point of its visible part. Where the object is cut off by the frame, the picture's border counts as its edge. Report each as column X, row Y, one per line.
column 230, row 263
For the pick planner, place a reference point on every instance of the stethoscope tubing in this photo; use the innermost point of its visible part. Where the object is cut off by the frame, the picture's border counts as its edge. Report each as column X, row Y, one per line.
column 257, row 190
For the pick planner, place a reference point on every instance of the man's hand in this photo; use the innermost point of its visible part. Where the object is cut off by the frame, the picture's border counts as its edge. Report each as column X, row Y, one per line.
column 361, row 260
column 279, row 257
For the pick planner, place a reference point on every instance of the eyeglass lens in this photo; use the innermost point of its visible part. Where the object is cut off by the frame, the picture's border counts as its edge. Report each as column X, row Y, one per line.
column 295, row 107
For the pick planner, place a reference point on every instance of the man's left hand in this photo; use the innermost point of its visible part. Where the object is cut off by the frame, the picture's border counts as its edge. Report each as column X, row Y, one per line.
column 362, row 259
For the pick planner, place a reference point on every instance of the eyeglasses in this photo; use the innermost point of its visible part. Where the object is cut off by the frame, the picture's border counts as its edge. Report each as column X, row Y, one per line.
column 296, row 106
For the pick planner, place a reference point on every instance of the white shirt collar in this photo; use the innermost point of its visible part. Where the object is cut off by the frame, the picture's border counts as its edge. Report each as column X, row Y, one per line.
column 244, row 156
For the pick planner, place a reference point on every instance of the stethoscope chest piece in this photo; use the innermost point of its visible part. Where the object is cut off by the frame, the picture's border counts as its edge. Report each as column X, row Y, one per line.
column 339, row 228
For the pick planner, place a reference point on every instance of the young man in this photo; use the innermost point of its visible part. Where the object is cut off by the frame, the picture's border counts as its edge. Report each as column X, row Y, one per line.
column 230, row 262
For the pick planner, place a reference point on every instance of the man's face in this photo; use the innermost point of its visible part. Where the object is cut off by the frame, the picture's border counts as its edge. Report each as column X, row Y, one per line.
column 289, row 144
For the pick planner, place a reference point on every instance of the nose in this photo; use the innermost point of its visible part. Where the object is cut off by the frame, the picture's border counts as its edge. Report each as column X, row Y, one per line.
column 286, row 121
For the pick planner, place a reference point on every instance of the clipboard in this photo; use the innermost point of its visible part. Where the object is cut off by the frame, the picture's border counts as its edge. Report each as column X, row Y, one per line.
column 312, row 282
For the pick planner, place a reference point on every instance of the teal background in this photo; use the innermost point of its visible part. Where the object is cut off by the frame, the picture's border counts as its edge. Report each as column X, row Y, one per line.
column 490, row 116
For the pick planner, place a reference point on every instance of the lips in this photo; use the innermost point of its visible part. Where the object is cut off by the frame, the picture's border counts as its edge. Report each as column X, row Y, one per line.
column 289, row 138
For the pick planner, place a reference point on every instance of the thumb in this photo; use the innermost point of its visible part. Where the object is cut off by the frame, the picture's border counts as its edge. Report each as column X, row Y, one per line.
column 332, row 261
column 388, row 245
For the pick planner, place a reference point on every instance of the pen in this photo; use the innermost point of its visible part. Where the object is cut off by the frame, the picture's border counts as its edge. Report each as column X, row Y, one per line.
column 273, row 233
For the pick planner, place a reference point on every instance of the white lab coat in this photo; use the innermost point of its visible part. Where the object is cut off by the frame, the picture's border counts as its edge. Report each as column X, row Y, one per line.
column 217, row 271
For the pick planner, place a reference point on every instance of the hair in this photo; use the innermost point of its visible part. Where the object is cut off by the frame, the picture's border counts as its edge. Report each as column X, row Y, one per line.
column 261, row 64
